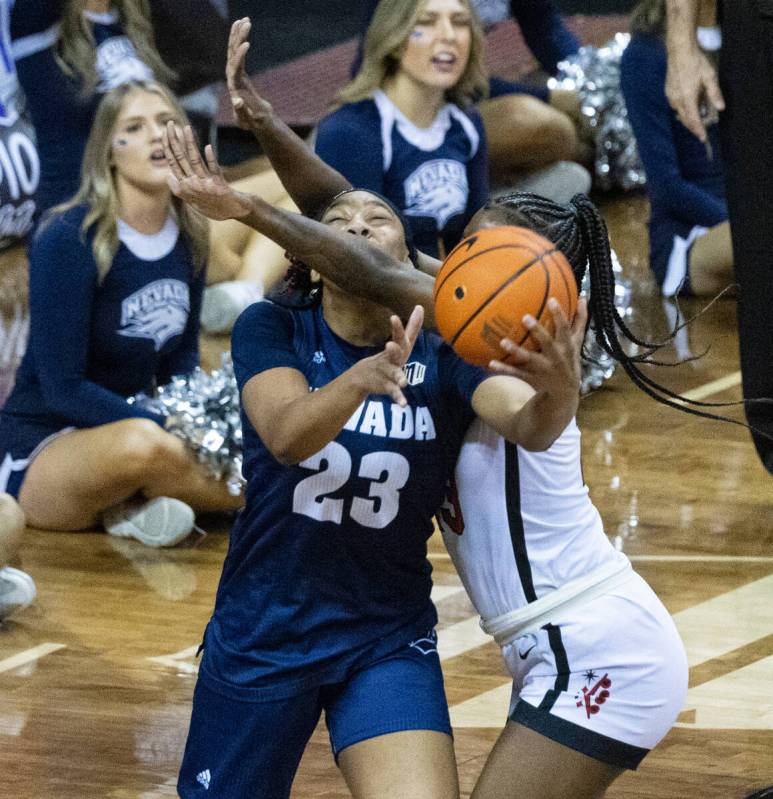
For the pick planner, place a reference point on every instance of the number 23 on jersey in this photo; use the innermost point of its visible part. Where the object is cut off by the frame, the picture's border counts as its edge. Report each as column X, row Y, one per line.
column 388, row 472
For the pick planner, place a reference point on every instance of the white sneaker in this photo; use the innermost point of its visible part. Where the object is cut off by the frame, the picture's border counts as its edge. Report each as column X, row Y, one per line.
column 17, row 590
column 159, row 522
column 223, row 303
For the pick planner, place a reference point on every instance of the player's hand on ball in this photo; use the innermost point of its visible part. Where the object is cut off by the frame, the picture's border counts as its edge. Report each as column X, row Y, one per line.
column 555, row 368
column 201, row 184
column 383, row 373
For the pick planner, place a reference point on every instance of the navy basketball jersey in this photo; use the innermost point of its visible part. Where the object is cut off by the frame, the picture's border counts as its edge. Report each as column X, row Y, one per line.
column 327, row 563
column 437, row 176
column 62, row 115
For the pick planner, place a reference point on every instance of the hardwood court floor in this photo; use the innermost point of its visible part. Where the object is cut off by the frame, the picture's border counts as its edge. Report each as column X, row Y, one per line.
column 96, row 677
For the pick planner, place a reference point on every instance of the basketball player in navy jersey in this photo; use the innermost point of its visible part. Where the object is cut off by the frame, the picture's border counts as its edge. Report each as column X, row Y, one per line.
column 588, row 700
column 324, row 602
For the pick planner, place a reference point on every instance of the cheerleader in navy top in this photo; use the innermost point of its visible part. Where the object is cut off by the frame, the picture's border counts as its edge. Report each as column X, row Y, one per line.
column 405, row 128
column 533, row 133
column 68, row 54
column 114, row 307
column 324, row 602
column 690, row 250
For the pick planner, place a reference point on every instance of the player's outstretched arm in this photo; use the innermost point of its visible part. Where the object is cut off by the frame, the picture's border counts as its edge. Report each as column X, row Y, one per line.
column 534, row 409
column 308, row 179
column 349, row 261
column 294, row 423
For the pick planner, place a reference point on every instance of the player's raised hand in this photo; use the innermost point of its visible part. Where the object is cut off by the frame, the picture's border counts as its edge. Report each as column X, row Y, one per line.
column 383, row 373
column 555, row 368
column 248, row 106
column 198, row 182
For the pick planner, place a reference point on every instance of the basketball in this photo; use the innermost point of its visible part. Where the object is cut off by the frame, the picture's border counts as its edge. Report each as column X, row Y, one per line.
column 490, row 281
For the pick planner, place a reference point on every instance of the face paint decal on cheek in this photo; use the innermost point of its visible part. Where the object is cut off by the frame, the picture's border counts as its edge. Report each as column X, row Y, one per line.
column 416, row 34
column 119, row 142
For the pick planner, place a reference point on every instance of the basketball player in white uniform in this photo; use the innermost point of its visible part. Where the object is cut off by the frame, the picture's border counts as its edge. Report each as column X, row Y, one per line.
column 597, row 664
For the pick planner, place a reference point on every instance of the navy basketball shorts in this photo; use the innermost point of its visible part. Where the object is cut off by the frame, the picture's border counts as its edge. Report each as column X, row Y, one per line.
column 239, row 749
column 608, row 679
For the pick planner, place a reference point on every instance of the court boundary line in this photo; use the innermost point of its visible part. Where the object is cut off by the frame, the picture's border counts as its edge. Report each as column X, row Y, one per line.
column 29, row 656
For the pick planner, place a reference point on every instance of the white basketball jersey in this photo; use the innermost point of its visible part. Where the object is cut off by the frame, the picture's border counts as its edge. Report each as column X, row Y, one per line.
column 520, row 524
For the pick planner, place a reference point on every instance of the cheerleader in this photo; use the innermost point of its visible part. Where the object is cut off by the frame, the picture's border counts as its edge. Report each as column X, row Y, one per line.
column 116, row 278
column 405, row 127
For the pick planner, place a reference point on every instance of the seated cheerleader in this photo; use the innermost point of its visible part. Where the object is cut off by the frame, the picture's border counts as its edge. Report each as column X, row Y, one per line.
column 690, row 248
column 116, row 277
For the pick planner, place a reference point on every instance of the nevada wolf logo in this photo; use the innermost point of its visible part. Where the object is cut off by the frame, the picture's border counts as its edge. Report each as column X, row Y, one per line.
column 117, row 63
column 158, row 311
column 437, row 189
column 492, row 11
column 414, row 372
column 426, row 645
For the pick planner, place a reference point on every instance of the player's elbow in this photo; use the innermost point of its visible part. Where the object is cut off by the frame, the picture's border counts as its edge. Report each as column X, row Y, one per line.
column 286, row 449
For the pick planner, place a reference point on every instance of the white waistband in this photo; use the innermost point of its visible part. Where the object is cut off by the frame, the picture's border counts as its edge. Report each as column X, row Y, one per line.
column 542, row 611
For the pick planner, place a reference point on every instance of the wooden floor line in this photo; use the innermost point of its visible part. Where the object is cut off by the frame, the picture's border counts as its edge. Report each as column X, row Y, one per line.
column 714, row 387
column 442, row 556
column 29, row 656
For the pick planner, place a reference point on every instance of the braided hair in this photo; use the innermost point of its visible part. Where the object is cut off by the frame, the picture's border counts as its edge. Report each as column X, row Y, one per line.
column 580, row 233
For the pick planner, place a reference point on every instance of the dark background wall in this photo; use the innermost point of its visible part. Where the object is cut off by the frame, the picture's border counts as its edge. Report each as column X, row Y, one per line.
column 286, row 29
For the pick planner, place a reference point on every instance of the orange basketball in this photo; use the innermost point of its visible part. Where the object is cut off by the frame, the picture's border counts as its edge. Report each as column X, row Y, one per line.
column 490, row 281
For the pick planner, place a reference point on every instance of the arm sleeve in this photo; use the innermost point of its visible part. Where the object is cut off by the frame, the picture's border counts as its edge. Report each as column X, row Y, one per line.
column 185, row 358
column 63, row 283
column 544, row 31
column 262, row 339
column 349, row 140
column 642, row 79
column 477, row 171
column 34, row 16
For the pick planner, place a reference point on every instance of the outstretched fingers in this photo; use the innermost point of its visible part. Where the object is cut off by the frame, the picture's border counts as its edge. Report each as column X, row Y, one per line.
column 193, row 154
column 175, row 152
column 212, row 163
column 405, row 337
column 579, row 323
column 176, row 173
column 237, row 49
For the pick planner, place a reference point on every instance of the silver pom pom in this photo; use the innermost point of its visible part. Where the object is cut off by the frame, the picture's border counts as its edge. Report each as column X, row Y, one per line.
column 598, row 365
column 202, row 410
column 594, row 73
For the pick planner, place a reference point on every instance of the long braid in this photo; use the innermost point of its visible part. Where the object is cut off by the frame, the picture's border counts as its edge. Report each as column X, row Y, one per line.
column 580, row 233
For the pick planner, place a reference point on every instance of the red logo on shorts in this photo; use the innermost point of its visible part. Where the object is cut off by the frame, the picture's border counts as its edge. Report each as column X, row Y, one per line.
column 593, row 698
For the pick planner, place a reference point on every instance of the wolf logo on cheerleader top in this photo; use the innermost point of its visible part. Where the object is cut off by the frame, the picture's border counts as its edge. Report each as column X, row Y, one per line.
column 68, row 377
column 437, row 176
column 61, row 115
column 158, row 311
